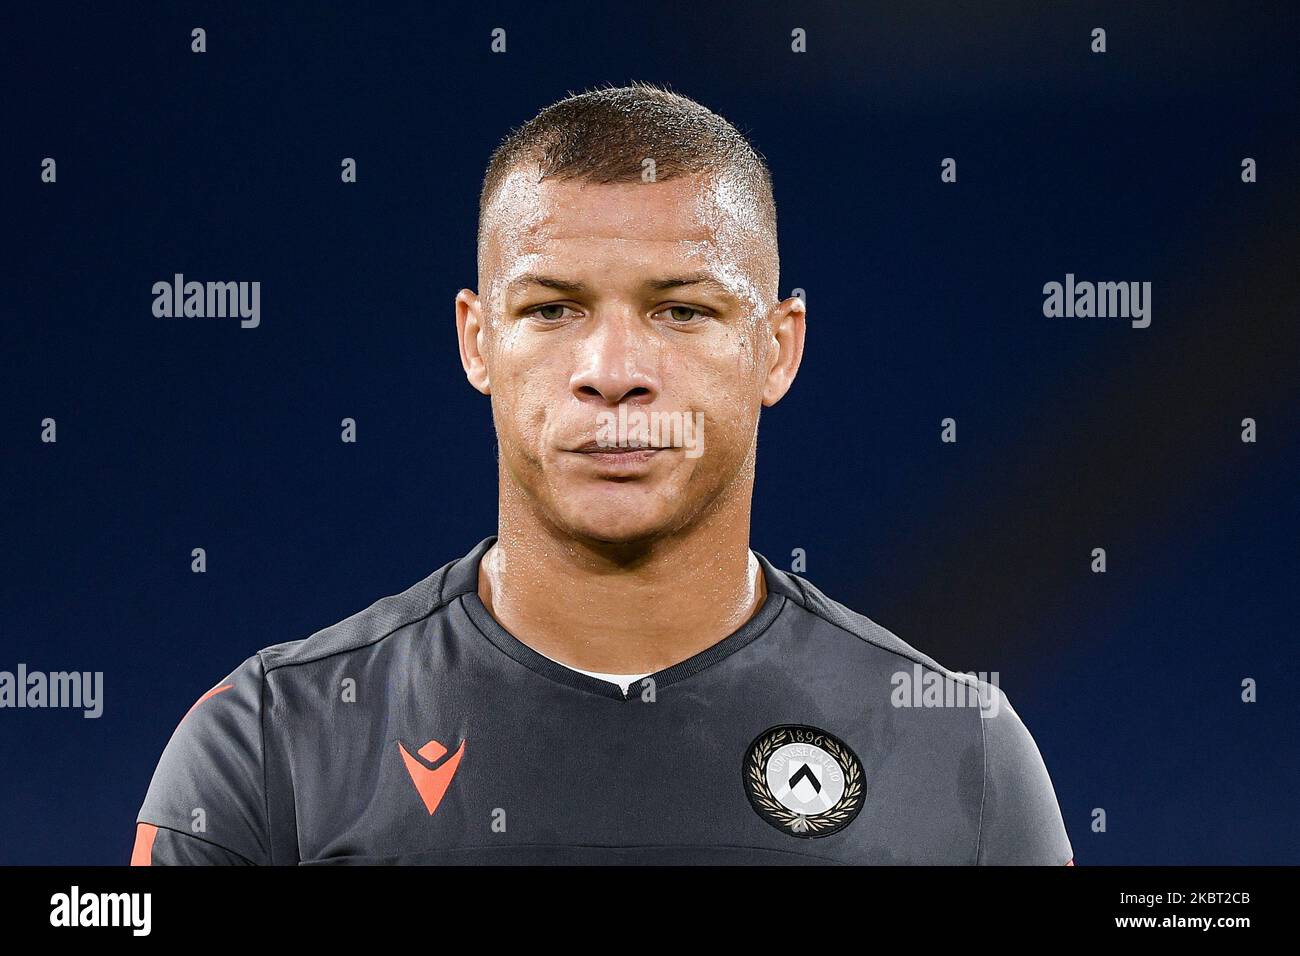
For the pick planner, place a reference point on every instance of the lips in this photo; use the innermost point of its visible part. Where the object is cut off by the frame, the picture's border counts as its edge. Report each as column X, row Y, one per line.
column 595, row 448
column 618, row 463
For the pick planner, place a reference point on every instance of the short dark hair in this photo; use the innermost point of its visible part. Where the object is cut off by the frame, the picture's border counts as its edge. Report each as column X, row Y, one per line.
column 603, row 136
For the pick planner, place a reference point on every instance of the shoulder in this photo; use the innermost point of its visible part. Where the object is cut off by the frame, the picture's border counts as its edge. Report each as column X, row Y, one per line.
column 206, row 794
column 1019, row 817
column 381, row 620
column 811, row 601
column 214, row 787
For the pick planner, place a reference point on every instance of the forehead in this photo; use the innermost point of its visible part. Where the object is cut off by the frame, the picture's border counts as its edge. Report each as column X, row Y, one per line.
column 686, row 220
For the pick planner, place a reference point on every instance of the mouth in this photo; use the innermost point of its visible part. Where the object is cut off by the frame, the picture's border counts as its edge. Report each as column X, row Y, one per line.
column 595, row 448
column 619, row 462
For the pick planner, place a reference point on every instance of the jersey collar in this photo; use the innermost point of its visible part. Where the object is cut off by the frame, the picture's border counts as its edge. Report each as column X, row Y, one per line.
column 462, row 581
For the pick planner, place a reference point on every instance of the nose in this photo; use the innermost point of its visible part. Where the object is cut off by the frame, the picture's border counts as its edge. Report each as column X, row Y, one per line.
column 617, row 362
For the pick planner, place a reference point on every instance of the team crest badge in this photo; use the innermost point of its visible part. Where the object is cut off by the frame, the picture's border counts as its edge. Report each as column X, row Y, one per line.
column 803, row 781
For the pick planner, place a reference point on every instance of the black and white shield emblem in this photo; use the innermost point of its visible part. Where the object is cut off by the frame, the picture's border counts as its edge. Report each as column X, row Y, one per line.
column 803, row 781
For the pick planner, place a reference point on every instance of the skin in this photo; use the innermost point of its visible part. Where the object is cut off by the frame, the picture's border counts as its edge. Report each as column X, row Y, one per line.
column 599, row 569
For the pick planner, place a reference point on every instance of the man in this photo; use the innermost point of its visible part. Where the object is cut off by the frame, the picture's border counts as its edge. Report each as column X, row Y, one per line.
column 614, row 677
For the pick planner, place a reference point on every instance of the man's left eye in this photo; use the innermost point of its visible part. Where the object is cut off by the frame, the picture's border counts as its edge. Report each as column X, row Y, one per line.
column 682, row 314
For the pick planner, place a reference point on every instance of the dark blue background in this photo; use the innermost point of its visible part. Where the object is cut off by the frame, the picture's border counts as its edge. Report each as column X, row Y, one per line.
column 925, row 301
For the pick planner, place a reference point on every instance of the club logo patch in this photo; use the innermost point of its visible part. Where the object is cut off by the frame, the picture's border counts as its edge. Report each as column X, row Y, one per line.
column 803, row 781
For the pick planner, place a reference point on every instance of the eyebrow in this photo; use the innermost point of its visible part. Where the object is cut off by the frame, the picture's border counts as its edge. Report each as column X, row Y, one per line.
column 655, row 285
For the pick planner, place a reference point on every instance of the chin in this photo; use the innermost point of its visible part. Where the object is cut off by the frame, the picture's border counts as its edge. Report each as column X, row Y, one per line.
column 609, row 524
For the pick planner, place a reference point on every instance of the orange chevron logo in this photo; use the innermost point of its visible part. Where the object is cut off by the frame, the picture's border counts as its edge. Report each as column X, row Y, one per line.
column 431, row 782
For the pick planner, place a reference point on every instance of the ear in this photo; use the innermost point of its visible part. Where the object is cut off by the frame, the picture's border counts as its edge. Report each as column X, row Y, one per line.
column 471, row 334
column 785, row 348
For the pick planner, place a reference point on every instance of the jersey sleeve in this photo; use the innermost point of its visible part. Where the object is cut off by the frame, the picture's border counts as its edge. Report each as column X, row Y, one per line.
column 1020, row 823
column 206, row 803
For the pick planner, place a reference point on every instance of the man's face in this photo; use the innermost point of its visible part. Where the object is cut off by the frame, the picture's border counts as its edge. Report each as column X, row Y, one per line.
column 655, row 296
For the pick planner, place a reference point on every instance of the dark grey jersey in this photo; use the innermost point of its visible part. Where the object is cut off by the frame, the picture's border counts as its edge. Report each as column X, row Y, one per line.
column 421, row 731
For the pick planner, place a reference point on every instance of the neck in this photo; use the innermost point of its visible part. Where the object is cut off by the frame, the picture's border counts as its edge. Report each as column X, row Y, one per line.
column 621, row 608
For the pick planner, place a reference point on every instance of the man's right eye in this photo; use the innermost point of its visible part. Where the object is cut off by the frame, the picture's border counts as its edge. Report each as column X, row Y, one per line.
column 549, row 313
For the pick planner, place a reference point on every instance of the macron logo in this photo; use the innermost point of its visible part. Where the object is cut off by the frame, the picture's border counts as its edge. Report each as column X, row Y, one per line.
column 102, row 909
column 431, row 782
